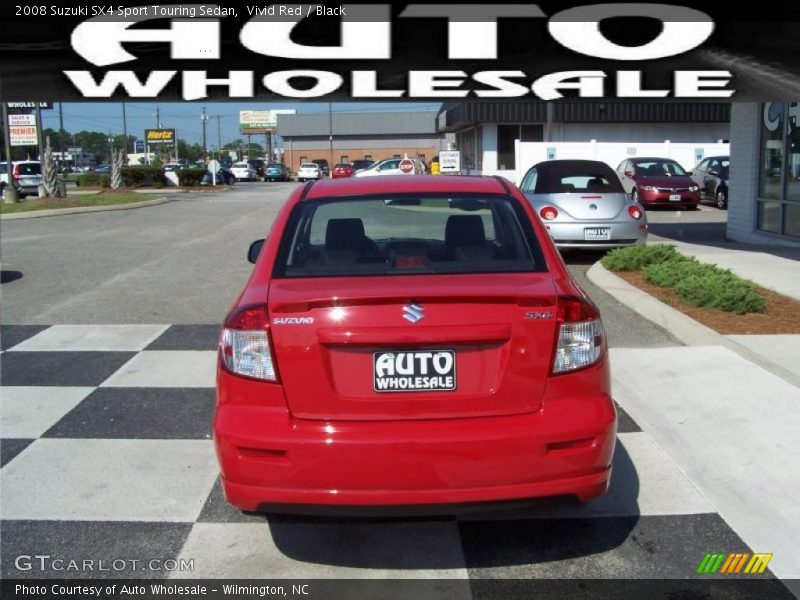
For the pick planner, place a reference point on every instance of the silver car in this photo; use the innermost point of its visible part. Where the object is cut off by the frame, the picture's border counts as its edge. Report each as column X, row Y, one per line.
column 583, row 205
column 26, row 176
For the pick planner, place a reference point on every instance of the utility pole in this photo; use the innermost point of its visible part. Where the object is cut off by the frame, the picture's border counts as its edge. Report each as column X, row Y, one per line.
column 39, row 132
column 330, row 131
column 61, row 129
column 204, row 119
column 125, row 130
column 9, row 192
column 219, row 135
column 158, row 117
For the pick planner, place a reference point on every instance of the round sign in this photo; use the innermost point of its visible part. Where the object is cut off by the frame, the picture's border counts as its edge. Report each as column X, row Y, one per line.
column 407, row 166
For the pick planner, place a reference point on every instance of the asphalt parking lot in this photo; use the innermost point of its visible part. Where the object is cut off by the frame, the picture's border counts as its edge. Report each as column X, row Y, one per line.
column 108, row 358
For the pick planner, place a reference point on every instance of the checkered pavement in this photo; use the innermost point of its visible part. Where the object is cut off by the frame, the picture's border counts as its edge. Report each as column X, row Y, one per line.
column 106, row 453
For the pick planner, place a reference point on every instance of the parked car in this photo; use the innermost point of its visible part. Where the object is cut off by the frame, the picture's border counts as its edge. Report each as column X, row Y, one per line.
column 259, row 166
column 277, row 172
column 389, row 166
column 171, row 167
column 244, row 172
column 26, row 176
column 224, row 177
column 583, row 205
column 342, row 170
column 358, row 165
column 102, row 169
column 711, row 176
column 323, row 166
column 395, row 345
column 309, row 171
column 658, row 182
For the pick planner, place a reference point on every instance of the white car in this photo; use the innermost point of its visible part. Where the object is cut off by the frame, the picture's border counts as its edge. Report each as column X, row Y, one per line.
column 244, row 172
column 390, row 166
column 308, row 171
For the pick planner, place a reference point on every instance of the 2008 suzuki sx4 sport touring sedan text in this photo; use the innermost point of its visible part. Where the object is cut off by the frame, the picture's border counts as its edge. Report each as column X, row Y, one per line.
column 411, row 340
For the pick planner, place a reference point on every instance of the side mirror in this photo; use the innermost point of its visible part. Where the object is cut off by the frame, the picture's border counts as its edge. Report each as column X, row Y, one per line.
column 629, row 173
column 689, row 173
column 255, row 250
column 714, row 173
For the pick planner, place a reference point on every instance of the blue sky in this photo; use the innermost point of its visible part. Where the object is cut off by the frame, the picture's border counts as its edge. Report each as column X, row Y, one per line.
column 185, row 116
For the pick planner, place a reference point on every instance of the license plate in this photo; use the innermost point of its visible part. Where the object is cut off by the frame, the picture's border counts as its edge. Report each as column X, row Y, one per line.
column 597, row 233
column 675, row 197
column 414, row 371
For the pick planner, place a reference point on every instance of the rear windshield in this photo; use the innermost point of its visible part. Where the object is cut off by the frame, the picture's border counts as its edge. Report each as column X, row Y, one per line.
column 573, row 177
column 27, row 168
column 407, row 235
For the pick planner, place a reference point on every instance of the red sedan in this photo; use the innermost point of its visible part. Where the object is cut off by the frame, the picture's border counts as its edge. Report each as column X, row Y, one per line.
column 655, row 182
column 342, row 170
column 411, row 341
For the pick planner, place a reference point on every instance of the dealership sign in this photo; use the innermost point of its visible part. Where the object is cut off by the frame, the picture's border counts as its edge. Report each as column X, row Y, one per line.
column 159, row 136
column 23, row 135
column 31, row 105
column 365, row 37
column 260, row 121
column 22, row 120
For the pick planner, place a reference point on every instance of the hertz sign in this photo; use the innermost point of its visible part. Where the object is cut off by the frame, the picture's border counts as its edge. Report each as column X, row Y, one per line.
column 159, row 136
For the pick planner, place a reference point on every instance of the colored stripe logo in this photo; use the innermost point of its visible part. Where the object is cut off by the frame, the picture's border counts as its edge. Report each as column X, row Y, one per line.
column 734, row 563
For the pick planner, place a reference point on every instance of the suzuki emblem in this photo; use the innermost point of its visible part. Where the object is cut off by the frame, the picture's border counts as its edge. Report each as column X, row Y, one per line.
column 413, row 313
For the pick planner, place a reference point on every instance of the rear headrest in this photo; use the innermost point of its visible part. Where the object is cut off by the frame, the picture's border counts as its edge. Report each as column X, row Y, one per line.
column 464, row 230
column 344, row 234
column 597, row 184
column 566, row 188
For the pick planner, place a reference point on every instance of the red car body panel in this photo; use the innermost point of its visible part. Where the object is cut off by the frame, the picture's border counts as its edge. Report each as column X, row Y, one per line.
column 665, row 188
column 321, row 435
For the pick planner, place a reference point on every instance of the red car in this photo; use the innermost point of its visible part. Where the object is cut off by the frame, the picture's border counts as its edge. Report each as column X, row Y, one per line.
column 342, row 170
column 411, row 340
column 658, row 182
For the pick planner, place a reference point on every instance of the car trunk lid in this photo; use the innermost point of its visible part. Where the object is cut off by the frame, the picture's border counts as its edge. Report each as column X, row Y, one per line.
column 413, row 347
column 584, row 205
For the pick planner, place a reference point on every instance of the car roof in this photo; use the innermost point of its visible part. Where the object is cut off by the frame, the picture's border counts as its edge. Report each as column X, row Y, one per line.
column 566, row 163
column 646, row 158
column 405, row 184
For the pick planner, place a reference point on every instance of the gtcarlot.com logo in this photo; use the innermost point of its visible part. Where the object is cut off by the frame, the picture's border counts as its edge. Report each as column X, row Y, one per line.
column 734, row 563
column 45, row 562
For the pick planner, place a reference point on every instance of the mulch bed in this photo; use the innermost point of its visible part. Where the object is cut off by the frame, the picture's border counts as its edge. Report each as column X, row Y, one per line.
column 782, row 314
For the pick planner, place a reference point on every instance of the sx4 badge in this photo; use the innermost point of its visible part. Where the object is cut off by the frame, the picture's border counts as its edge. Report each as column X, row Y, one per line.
column 366, row 35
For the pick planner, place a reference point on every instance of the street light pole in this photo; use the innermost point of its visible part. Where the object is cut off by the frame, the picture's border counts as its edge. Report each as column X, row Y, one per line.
column 204, row 119
column 330, row 137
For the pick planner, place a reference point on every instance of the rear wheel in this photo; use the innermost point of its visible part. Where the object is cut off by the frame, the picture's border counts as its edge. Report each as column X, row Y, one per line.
column 722, row 199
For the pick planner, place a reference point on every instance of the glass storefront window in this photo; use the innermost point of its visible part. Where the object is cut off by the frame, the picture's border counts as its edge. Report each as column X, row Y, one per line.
column 506, row 134
column 791, row 219
column 769, row 217
column 771, row 151
column 793, row 154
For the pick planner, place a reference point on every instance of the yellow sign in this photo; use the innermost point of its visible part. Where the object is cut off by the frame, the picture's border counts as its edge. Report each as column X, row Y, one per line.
column 159, row 136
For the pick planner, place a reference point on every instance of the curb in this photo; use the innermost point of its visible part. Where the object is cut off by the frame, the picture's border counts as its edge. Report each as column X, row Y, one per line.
column 54, row 212
column 684, row 328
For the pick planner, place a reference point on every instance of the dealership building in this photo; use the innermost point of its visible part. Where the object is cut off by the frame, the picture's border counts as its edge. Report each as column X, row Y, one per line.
column 764, row 201
column 344, row 137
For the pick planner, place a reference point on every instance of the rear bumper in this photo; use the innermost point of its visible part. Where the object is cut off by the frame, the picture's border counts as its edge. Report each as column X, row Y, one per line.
column 573, row 235
column 268, row 457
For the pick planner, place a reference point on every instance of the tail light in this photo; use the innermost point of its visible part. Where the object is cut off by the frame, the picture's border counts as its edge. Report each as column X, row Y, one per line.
column 245, row 344
column 635, row 212
column 581, row 338
column 548, row 213
column 15, row 173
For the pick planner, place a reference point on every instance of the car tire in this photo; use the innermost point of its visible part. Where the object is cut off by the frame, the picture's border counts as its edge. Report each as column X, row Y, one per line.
column 721, row 199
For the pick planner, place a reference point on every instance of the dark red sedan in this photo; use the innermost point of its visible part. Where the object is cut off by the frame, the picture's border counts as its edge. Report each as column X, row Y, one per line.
column 656, row 182
column 411, row 340
column 342, row 170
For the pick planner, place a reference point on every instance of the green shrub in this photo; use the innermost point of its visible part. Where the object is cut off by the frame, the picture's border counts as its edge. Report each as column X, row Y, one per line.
column 668, row 274
column 143, row 176
column 190, row 177
column 721, row 290
column 634, row 258
column 93, row 179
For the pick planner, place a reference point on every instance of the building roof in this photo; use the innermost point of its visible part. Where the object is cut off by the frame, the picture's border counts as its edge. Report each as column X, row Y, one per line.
column 362, row 123
column 457, row 115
